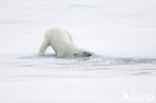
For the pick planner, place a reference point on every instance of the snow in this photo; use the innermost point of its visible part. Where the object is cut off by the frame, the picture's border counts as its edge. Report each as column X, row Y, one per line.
column 86, row 90
column 121, row 33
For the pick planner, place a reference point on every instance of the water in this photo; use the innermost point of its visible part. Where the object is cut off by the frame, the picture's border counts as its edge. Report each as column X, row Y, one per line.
column 94, row 66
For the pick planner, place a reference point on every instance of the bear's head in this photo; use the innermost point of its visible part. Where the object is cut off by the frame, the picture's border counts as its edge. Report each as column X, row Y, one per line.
column 83, row 53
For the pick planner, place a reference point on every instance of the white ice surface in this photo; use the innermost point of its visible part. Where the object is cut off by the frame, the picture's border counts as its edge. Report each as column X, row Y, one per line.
column 121, row 33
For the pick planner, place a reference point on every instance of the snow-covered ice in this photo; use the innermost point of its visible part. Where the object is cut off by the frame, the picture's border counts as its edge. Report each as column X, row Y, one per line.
column 121, row 33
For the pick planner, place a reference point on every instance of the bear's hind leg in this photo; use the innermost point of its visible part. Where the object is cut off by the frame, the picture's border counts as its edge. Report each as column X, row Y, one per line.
column 43, row 47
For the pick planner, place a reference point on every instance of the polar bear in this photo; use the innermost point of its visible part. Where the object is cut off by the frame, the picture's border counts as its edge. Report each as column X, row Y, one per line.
column 61, row 42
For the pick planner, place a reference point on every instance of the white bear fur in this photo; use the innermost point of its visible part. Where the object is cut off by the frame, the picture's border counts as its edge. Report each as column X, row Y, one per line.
column 61, row 42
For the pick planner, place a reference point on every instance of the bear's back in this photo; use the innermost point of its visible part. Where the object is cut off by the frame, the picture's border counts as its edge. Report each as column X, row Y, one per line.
column 57, row 35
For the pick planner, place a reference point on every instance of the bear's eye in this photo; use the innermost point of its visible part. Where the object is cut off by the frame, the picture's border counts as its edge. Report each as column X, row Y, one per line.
column 75, row 54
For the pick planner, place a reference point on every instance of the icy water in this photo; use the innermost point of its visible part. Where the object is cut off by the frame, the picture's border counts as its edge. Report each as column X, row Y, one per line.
column 94, row 66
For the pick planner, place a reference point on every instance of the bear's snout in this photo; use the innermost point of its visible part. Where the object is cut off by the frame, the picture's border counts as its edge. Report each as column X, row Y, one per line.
column 87, row 54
